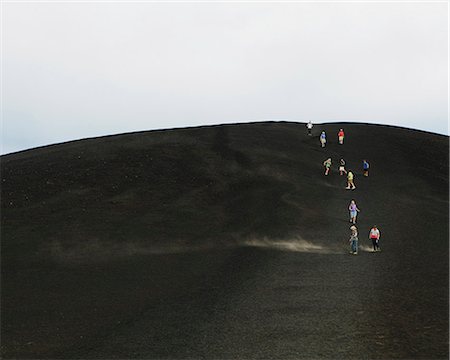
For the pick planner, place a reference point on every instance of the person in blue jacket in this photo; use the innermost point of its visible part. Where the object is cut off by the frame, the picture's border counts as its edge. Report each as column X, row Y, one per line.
column 365, row 168
column 323, row 138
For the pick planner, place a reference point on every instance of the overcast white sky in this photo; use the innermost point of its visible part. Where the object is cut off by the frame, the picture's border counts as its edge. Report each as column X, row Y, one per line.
column 74, row 70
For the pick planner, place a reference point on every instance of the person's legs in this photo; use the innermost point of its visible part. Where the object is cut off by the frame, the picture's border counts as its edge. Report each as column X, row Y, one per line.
column 355, row 246
column 374, row 243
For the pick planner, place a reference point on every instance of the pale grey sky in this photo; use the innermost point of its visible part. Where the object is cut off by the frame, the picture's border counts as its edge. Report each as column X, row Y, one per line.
column 73, row 70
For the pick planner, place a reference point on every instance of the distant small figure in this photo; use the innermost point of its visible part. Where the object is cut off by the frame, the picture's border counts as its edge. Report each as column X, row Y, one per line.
column 342, row 170
column 353, row 208
column 374, row 235
column 365, row 168
column 341, row 136
column 350, row 183
column 323, row 138
column 354, row 240
column 309, row 126
column 327, row 165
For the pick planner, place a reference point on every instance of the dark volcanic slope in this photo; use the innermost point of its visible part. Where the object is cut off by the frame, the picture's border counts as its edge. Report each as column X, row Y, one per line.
column 225, row 242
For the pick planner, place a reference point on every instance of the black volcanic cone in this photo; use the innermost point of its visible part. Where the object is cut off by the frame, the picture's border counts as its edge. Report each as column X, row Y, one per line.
column 226, row 242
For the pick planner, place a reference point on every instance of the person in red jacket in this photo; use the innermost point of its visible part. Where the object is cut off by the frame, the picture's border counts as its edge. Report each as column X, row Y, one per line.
column 341, row 136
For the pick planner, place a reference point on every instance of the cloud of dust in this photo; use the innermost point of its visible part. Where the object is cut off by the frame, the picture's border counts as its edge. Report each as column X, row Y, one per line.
column 295, row 244
column 96, row 250
column 365, row 248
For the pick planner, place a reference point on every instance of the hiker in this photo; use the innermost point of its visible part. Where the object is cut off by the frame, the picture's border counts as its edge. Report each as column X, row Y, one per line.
column 323, row 138
column 374, row 235
column 365, row 168
column 341, row 136
column 309, row 126
column 342, row 167
column 354, row 240
column 353, row 208
column 350, row 183
column 327, row 165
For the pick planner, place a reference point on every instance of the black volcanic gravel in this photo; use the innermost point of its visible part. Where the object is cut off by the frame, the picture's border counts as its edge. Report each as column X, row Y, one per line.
column 226, row 242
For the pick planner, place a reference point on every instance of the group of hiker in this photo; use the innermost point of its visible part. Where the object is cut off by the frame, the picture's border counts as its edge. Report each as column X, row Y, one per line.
column 374, row 234
column 350, row 176
column 323, row 135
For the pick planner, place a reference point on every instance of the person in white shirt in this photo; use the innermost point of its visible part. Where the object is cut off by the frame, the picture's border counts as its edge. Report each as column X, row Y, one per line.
column 374, row 235
column 309, row 126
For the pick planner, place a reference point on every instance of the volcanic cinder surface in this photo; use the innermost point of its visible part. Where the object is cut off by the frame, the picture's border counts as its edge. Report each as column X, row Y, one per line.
column 226, row 242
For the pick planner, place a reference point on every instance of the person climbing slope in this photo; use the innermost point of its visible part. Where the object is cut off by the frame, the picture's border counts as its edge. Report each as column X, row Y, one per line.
column 323, row 139
column 341, row 136
column 353, row 208
column 309, row 126
column 354, row 240
column 365, row 168
column 342, row 170
column 327, row 165
column 374, row 235
column 350, row 183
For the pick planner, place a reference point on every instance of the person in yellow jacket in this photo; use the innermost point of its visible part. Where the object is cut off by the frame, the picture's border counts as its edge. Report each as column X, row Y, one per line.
column 350, row 183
